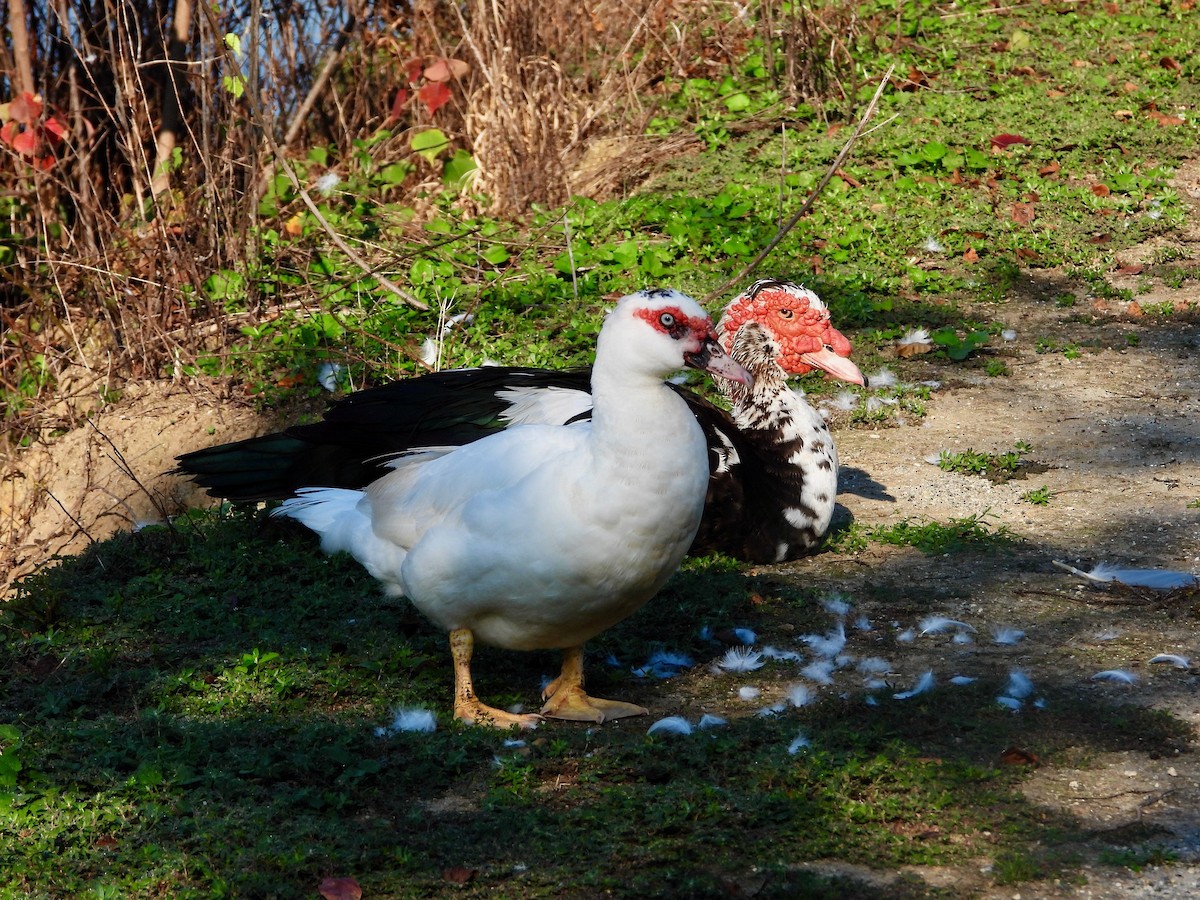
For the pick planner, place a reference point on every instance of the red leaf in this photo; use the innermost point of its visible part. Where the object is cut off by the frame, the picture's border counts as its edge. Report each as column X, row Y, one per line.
column 54, row 129
column 413, row 68
column 434, row 95
column 25, row 142
column 1171, row 64
column 1004, row 141
column 339, row 889
column 25, row 108
column 398, row 102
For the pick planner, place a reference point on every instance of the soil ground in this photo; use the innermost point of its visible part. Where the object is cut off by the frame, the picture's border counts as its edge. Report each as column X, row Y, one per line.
column 1117, row 431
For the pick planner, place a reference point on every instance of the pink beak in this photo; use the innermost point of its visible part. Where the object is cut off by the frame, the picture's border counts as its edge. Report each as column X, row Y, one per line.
column 837, row 366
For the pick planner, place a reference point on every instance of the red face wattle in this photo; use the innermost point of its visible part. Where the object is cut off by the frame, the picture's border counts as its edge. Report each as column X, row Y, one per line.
column 800, row 324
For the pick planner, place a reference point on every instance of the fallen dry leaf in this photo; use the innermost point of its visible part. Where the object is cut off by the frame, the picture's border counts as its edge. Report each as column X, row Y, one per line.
column 1051, row 168
column 1101, row 190
column 1022, row 213
column 1004, row 141
column 1171, row 64
column 1123, row 114
column 1163, row 119
column 848, row 178
column 339, row 889
column 971, row 256
column 1134, row 310
column 1016, row 756
column 458, row 874
column 913, row 348
column 1129, row 270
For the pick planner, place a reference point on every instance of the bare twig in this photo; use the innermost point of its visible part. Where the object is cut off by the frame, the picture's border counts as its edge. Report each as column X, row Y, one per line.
column 126, row 469
column 284, row 163
column 812, row 197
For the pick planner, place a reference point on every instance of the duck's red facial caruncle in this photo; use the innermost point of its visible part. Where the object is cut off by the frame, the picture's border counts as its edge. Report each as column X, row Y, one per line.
column 800, row 325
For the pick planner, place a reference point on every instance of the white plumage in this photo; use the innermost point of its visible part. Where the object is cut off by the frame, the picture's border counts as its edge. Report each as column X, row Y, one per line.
column 541, row 537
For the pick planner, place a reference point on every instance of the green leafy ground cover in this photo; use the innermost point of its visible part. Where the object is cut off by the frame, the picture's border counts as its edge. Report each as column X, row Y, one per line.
column 194, row 710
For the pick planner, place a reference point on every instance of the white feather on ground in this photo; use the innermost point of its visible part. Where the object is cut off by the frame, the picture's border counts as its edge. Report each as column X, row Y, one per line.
column 671, row 725
column 1179, row 662
column 708, row 720
column 770, row 652
column 1019, row 685
column 836, row 605
column 800, row 742
column 741, row 659
column 830, row 644
column 799, row 695
column 409, row 719
column 1158, row 579
column 664, row 664
column 924, row 684
column 746, row 692
column 1120, row 676
column 942, row 624
column 1006, row 634
column 874, row 665
column 884, row 377
column 963, row 679
column 820, row 671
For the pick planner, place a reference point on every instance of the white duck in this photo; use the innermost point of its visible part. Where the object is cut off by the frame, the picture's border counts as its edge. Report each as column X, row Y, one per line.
column 542, row 536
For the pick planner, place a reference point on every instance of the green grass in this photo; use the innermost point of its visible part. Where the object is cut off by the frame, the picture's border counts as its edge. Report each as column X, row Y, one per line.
column 194, row 712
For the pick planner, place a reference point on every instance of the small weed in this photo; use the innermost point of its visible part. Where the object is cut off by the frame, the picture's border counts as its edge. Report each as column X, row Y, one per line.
column 968, row 533
column 1070, row 349
column 997, row 467
column 996, row 367
column 1038, row 496
column 1194, row 504
column 959, row 348
column 1013, row 868
column 1136, row 859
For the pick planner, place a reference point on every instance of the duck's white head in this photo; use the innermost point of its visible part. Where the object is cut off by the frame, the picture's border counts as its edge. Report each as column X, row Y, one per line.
column 657, row 332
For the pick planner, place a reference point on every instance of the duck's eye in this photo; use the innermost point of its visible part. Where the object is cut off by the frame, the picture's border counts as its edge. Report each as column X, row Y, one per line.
column 666, row 320
column 785, row 313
